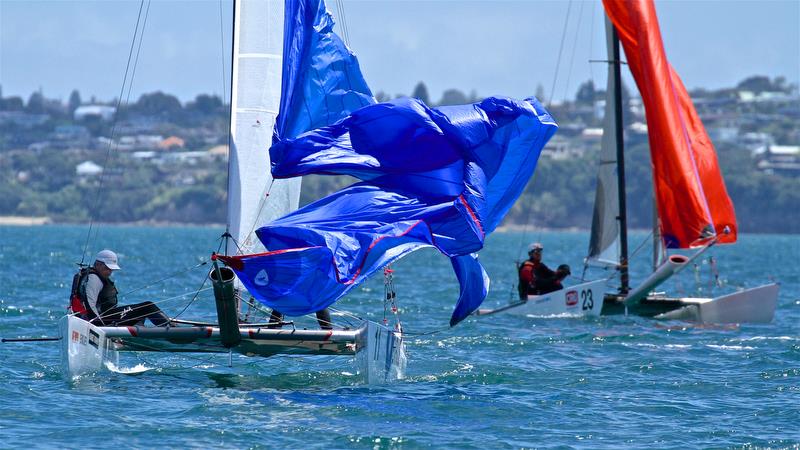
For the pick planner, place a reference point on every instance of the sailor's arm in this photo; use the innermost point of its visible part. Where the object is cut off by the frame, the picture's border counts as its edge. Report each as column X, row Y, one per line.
column 93, row 287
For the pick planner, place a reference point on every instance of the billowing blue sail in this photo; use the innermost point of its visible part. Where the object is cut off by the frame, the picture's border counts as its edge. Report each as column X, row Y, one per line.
column 430, row 177
column 321, row 81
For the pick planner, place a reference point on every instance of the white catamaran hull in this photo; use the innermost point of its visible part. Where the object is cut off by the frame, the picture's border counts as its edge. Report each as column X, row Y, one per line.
column 87, row 348
column 84, row 347
column 756, row 305
column 584, row 299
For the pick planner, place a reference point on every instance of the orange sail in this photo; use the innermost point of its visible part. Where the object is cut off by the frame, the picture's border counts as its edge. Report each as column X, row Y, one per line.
column 693, row 204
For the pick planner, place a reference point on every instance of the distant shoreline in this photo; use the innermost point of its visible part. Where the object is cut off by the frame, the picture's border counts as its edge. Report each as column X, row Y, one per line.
column 25, row 220
column 30, row 221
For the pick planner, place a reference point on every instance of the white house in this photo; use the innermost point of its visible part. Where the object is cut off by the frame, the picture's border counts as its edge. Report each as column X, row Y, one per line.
column 88, row 169
column 104, row 112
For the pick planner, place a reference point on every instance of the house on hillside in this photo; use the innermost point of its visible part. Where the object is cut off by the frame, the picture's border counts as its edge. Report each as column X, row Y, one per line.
column 171, row 142
column 779, row 159
column 102, row 111
column 88, row 169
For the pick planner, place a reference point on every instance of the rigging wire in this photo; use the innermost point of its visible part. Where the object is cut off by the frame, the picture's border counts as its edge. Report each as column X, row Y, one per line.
column 560, row 50
column 130, row 84
column 574, row 50
column 94, row 209
column 200, row 289
column 343, row 22
column 261, row 204
column 591, row 41
column 164, row 279
column 162, row 301
column 536, row 175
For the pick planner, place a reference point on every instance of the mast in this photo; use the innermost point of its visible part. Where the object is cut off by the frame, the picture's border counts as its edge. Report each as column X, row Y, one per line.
column 226, row 243
column 623, row 220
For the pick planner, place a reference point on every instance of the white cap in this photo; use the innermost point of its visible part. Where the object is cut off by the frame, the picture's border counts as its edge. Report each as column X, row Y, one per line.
column 108, row 258
column 535, row 246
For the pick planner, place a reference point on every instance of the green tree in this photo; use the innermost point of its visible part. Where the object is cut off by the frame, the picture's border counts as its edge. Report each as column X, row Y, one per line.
column 74, row 101
column 421, row 93
column 12, row 104
column 757, row 84
column 453, row 97
column 586, row 93
column 35, row 103
column 157, row 103
column 205, row 104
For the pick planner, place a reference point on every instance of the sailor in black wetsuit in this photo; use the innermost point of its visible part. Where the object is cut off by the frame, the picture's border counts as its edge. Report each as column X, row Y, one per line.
column 99, row 297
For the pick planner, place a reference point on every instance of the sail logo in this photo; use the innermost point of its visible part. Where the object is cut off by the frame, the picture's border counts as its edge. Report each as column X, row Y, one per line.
column 261, row 278
column 571, row 298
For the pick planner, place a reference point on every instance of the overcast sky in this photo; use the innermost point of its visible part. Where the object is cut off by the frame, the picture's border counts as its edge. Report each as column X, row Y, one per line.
column 492, row 47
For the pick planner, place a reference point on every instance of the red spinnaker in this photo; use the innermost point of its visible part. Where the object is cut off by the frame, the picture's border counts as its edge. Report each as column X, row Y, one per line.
column 693, row 203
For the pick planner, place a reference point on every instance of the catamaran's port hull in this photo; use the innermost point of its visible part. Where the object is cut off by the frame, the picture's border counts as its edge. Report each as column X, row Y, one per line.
column 86, row 348
column 255, row 341
column 755, row 305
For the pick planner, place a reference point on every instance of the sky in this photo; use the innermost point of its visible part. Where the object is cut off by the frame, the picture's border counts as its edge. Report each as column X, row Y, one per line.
column 489, row 47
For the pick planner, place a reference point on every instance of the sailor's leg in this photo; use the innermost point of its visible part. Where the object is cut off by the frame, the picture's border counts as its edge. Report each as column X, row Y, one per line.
column 120, row 316
column 275, row 318
column 324, row 319
column 140, row 311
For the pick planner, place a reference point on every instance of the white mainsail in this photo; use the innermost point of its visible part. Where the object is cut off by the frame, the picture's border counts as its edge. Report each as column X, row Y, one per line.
column 604, row 247
column 255, row 97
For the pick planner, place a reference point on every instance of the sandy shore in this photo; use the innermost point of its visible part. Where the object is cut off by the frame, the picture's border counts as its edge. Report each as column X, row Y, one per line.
column 24, row 220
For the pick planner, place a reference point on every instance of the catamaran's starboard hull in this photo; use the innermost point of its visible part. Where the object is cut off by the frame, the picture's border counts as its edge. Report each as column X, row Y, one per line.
column 87, row 348
column 584, row 299
column 755, row 305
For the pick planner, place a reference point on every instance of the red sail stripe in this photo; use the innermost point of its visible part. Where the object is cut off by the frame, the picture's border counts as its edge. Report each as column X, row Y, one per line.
column 690, row 190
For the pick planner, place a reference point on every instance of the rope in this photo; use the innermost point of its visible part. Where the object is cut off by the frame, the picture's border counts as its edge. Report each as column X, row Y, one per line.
column 99, row 189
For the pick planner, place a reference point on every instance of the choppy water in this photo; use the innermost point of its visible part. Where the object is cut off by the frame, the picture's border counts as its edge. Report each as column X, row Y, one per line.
column 490, row 383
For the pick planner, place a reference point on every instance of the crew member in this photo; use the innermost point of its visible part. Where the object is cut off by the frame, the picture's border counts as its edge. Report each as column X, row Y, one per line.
column 535, row 278
column 99, row 297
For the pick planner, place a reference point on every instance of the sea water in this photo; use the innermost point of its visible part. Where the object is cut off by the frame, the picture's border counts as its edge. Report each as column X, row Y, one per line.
column 494, row 382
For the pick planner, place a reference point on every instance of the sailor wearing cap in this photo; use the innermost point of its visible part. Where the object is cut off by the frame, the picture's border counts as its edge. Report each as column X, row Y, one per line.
column 535, row 278
column 98, row 294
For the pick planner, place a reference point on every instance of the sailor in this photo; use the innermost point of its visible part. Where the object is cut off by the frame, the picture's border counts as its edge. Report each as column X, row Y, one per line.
column 98, row 294
column 323, row 319
column 535, row 278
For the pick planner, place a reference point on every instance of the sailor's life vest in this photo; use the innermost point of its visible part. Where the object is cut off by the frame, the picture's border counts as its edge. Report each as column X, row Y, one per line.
column 523, row 288
column 106, row 298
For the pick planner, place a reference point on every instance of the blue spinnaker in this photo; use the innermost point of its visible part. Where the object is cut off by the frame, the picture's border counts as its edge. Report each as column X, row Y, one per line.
column 321, row 82
column 430, row 177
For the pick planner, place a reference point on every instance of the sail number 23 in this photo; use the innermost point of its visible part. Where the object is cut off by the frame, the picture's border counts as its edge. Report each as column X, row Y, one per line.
column 587, row 302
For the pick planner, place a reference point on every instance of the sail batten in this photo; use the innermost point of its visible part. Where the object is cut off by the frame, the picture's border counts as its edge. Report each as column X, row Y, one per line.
column 692, row 201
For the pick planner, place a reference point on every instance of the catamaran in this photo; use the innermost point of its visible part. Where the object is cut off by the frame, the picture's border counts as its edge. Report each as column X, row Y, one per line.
column 429, row 177
column 265, row 54
column 693, row 207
